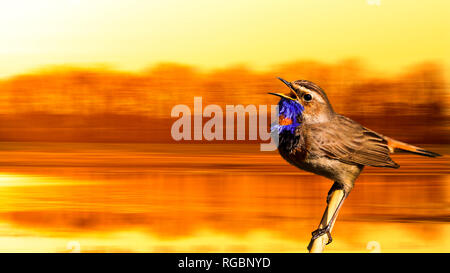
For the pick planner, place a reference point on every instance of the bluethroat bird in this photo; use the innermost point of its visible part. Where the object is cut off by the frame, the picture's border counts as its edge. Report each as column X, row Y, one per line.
column 314, row 138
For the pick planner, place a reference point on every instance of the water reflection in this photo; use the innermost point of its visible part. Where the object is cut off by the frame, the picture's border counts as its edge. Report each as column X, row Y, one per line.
column 136, row 198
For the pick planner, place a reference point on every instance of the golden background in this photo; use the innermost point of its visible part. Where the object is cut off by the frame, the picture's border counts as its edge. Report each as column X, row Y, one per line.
column 88, row 163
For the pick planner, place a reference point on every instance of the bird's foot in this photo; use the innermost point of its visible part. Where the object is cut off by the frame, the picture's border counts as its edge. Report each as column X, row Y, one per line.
column 321, row 231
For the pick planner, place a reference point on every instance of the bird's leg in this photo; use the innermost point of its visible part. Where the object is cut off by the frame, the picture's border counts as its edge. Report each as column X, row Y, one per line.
column 336, row 186
column 327, row 229
column 335, row 199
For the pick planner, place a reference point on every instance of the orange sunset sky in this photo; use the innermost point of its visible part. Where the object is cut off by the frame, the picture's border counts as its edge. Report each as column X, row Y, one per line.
column 133, row 34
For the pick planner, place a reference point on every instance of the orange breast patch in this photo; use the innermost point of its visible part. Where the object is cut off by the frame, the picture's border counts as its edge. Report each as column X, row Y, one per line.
column 284, row 121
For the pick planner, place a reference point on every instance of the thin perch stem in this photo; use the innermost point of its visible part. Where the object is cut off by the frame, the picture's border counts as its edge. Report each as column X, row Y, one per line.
column 318, row 245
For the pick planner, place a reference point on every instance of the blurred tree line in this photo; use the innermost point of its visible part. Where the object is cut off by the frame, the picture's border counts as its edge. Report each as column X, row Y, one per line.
column 102, row 105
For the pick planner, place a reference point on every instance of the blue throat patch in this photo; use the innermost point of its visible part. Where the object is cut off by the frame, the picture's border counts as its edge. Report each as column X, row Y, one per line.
column 291, row 110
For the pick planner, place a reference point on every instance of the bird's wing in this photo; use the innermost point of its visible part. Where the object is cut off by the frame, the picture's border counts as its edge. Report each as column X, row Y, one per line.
column 349, row 142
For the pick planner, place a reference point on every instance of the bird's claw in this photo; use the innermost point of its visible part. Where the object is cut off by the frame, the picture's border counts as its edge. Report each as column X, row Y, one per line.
column 321, row 231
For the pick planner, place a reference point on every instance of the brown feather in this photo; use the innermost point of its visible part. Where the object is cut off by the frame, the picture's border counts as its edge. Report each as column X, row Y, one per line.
column 395, row 145
column 349, row 142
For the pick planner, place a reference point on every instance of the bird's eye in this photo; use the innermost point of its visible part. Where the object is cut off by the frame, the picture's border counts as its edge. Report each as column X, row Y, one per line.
column 307, row 97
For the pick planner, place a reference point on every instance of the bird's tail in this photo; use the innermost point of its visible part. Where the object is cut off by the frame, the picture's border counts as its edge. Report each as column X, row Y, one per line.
column 395, row 145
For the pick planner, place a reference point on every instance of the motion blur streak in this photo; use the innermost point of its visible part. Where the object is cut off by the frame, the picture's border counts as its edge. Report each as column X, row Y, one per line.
column 87, row 157
column 195, row 197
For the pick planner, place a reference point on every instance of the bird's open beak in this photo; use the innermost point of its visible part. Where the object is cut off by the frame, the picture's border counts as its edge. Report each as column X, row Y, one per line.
column 285, row 82
column 288, row 95
column 281, row 95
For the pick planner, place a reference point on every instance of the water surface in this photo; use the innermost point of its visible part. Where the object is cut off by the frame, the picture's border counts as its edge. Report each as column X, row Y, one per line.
column 227, row 198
